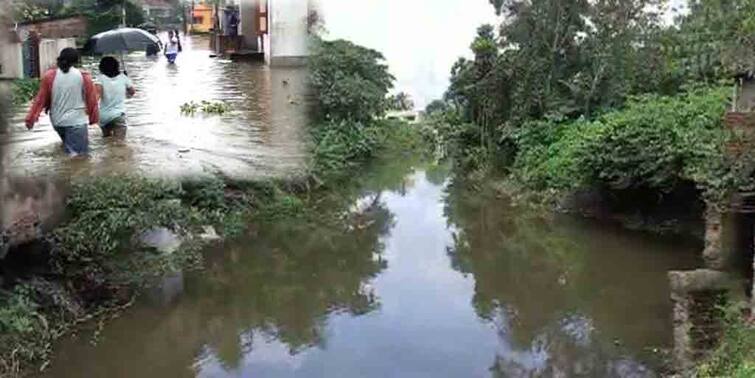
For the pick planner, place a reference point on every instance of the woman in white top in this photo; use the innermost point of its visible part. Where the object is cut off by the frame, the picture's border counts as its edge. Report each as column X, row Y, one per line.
column 172, row 47
column 69, row 95
column 114, row 87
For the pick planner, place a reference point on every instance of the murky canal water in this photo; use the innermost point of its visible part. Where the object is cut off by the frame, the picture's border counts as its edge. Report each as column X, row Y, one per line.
column 422, row 281
column 261, row 136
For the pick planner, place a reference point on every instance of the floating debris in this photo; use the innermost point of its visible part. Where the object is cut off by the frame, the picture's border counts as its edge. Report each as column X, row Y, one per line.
column 208, row 107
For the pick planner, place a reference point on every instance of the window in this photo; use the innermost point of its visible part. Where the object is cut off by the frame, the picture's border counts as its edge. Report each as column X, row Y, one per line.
column 197, row 20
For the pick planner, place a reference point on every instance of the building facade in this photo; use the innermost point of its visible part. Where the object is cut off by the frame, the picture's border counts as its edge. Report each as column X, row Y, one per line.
column 160, row 12
column 32, row 47
column 202, row 18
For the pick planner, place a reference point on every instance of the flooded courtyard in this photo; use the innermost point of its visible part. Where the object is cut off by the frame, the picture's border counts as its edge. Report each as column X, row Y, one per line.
column 422, row 279
column 261, row 136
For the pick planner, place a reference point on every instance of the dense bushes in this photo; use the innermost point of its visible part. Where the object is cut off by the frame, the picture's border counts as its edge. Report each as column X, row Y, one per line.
column 350, row 84
column 655, row 142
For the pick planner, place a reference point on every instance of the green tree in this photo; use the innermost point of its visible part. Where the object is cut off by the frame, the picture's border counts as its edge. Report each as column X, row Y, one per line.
column 400, row 101
column 107, row 14
column 35, row 9
column 436, row 107
column 716, row 39
column 350, row 81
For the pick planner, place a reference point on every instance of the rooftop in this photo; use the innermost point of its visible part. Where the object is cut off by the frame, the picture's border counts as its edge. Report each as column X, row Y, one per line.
column 157, row 3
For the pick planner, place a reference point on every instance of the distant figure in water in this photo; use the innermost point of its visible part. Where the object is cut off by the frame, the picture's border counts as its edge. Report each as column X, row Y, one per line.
column 69, row 95
column 172, row 47
column 114, row 87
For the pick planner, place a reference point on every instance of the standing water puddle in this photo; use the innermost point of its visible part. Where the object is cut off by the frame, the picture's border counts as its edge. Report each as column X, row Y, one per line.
column 259, row 137
column 427, row 282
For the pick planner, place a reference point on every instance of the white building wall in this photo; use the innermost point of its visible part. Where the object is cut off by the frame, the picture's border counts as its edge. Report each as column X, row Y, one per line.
column 12, row 61
column 49, row 49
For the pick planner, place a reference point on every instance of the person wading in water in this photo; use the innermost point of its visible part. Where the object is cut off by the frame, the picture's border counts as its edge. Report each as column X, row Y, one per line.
column 114, row 87
column 172, row 48
column 70, row 97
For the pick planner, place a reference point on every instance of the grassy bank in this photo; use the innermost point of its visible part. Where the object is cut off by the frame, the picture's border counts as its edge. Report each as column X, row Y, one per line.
column 93, row 264
column 654, row 163
column 735, row 356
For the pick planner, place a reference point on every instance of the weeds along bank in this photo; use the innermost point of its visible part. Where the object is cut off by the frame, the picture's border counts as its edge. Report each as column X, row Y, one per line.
column 122, row 233
column 24, row 90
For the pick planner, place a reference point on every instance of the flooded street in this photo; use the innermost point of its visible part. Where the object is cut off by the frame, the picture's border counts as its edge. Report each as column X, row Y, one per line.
column 424, row 280
column 260, row 137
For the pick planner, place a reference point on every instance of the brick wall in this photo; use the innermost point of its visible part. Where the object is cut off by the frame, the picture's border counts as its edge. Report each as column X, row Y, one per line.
column 740, row 121
column 743, row 127
column 71, row 27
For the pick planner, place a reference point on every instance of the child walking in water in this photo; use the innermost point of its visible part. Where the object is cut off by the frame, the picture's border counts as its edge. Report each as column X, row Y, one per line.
column 69, row 95
column 172, row 48
column 114, row 87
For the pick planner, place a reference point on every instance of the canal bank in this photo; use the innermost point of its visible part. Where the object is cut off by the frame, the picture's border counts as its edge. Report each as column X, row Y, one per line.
column 402, row 248
column 400, row 260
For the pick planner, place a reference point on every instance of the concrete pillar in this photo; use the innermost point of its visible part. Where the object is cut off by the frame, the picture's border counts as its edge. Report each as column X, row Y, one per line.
column 696, row 296
column 248, row 27
column 289, row 37
column 713, row 252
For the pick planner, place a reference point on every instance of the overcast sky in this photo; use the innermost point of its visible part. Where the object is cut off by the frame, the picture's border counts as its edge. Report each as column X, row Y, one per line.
column 421, row 39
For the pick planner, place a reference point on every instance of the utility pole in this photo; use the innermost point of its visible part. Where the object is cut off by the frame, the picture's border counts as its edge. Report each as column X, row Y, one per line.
column 191, row 17
column 185, row 22
column 123, row 14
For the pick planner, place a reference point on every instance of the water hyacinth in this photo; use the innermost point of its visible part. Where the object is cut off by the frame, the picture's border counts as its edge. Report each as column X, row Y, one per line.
column 207, row 107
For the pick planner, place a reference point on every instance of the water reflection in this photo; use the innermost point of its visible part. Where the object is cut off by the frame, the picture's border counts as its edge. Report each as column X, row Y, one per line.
column 568, row 298
column 261, row 136
column 276, row 289
column 419, row 279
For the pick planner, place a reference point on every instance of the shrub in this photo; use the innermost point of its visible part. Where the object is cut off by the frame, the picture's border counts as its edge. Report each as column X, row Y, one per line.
column 106, row 211
column 24, row 90
column 17, row 311
column 735, row 356
column 350, row 81
column 654, row 142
